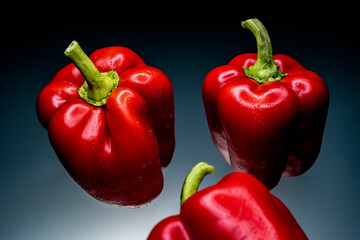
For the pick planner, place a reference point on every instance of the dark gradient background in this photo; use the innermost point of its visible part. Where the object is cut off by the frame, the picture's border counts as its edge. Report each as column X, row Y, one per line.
column 39, row 200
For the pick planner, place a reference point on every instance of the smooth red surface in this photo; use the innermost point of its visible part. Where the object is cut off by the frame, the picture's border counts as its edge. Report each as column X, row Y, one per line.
column 115, row 152
column 268, row 129
column 238, row 207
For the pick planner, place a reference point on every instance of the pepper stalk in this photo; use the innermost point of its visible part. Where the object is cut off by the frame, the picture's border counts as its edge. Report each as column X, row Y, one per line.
column 97, row 86
column 265, row 68
column 193, row 180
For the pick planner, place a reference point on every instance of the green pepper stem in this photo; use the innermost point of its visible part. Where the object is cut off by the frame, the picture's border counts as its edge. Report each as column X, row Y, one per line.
column 265, row 68
column 193, row 180
column 97, row 86
column 83, row 63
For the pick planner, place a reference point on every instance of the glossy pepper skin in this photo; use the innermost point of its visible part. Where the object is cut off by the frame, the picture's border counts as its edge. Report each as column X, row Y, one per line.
column 116, row 146
column 266, row 114
column 237, row 207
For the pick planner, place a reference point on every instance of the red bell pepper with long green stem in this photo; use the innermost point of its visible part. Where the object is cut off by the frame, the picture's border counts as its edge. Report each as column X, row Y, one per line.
column 237, row 207
column 266, row 113
column 110, row 120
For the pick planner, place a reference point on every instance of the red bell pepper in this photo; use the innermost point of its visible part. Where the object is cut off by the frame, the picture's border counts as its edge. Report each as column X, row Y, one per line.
column 266, row 113
column 237, row 207
column 110, row 120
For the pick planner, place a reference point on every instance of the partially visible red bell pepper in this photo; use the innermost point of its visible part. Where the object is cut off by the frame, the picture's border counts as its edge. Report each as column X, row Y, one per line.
column 238, row 207
column 110, row 120
column 266, row 113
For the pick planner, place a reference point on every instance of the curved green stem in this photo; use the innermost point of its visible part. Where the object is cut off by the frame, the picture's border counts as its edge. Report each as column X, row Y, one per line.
column 97, row 86
column 265, row 68
column 194, row 178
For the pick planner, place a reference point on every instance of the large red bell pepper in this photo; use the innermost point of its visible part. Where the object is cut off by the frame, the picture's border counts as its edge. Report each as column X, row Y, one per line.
column 266, row 113
column 238, row 207
column 110, row 120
